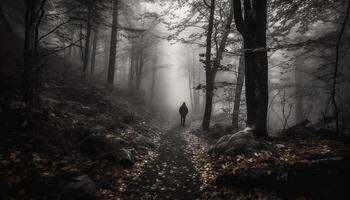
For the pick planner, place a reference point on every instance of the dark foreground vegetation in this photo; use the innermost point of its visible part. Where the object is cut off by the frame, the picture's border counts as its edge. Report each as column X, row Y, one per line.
column 79, row 144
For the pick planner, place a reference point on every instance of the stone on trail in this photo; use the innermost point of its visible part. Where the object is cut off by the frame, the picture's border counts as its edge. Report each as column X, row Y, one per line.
column 143, row 141
column 242, row 142
column 80, row 187
column 124, row 157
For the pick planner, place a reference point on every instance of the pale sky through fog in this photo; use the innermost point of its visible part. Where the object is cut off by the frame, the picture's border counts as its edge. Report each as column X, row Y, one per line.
column 171, row 55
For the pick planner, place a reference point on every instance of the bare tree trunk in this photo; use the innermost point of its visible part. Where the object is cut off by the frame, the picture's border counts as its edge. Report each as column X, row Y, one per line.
column 87, row 44
column 253, row 30
column 113, row 47
column 31, row 66
column 190, row 87
column 81, row 50
column 208, row 72
column 93, row 54
column 299, row 111
column 238, row 93
column 212, row 70
column 139, row 69
column 194, row 84
column 154, row 75
column 335, row 74
column 106, row 56
column 70, row 50
column 132, row 69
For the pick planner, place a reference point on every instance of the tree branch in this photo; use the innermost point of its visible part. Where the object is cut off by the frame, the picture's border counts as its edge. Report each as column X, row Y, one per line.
column 61, row 49
column 205, row 2
column 238, row 16
column 53, row 30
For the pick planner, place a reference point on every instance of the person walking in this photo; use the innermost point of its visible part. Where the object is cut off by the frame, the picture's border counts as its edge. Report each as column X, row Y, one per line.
column 183, row 112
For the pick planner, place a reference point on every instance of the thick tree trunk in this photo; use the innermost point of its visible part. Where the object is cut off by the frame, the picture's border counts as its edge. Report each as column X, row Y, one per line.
column 253, row 30
column 238, row 93
column 113, row 47
column 87, row 45
column 210, row 86
column 93, row 53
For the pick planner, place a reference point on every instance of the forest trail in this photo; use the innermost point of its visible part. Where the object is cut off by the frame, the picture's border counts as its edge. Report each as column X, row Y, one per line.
column 169, row 176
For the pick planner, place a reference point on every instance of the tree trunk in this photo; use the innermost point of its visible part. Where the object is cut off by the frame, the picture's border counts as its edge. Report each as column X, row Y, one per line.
column 253, row 30
column 154, row 75
column 194, row 84
column 335, row 73
column 106, row 56
column 113, row 47
column 299, row 111
column 93, row 54
column 190, row 87
column 212, row 70
column 210, row 85
column 132, row 69
column 81, row 50
column 238, row 93
column 31, row 66
column 87, row 44
column 139, row 69
column 70, row 50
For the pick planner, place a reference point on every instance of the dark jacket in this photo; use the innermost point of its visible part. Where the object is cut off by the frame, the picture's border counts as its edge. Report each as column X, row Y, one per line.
column 183, row 110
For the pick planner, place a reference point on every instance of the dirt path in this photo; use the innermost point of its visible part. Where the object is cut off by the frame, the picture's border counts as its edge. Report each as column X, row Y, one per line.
column 170, row 176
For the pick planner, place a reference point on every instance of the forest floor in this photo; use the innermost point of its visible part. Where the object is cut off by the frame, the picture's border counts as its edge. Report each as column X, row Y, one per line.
column 86, row 143
column 171, row 175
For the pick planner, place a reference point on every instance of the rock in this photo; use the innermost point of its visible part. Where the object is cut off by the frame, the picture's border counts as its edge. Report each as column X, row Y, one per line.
column 242, row 142
column 217, row 131
column 124, row 157
column 100, row 144
column 80, row 187
column 142, row 141
column 301, row 128
column 229, row 129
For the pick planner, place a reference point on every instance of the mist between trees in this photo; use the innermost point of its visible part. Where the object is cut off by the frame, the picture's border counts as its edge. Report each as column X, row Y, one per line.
column 262, row 64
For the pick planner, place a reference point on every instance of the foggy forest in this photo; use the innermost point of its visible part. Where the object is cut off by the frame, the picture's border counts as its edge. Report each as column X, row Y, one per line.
column 174, row 99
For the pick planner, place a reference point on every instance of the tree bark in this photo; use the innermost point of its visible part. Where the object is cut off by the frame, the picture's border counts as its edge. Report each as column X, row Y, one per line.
column 210, row 86
column 253, row 30
column 113, row 47
column 238, row 93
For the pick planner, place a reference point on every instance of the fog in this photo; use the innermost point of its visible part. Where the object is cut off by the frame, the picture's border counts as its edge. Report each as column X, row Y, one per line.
column 160, row 57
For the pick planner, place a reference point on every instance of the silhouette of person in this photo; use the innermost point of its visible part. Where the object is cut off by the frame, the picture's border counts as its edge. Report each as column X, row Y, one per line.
column 183, row 112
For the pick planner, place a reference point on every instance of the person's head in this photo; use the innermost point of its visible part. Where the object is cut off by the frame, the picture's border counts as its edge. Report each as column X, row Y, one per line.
column 183, row 103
